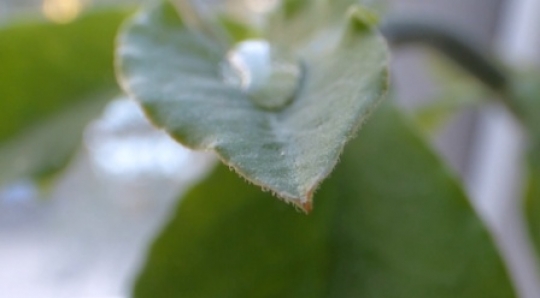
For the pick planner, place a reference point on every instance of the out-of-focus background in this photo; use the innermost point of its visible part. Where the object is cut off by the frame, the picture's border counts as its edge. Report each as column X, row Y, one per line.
column 89, row 237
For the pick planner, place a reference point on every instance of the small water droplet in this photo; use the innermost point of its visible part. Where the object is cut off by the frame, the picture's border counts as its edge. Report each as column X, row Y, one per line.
column 269, row 76
column 282, row 153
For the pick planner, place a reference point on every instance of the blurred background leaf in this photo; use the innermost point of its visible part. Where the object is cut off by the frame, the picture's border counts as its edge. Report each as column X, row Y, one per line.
column 524, row 99
column 54, row 79
column 390, row 222
column 532, row 200
column 458, row 91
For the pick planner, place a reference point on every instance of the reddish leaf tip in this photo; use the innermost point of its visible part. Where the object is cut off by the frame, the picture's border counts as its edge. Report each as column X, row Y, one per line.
column 307, row 206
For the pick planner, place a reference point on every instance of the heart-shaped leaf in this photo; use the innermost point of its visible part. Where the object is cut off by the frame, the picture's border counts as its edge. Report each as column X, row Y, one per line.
column 288, row 147
column 392, row 224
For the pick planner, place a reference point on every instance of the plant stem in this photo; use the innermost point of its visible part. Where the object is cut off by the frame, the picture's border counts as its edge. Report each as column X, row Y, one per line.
column 450, row 43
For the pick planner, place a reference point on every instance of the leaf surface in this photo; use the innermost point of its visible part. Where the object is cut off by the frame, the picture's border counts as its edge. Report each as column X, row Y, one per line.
column 391, row 223
column 175, row 73
column 53, row 80
column 297, row 19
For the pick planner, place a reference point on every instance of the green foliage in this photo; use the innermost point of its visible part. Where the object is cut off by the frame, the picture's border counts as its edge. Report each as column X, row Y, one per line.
column 532, row 201
column 46, row 147
column 458, row 91
column 175, row 74
column 390, row 222
column 524, row 99
column 54, row 79
column 296, row 18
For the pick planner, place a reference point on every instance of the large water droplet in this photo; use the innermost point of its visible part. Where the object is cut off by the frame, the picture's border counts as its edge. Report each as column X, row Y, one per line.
column 269, row 76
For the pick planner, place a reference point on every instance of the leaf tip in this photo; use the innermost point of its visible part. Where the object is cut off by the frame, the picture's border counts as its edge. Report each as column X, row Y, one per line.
column 307, row 206
column 361, row 18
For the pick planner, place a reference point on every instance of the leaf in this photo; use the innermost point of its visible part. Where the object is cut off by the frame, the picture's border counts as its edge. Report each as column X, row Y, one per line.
column 54, row 79
column 523, row 97
column 175, row 74
column 236, row 30
column 458, row 91
column 532, row 201
column 296, row 18
column 391, row 223
column 45, row 148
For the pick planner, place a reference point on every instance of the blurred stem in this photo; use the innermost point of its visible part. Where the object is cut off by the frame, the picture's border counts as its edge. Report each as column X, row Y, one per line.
column 460, row 50
column 450, row 43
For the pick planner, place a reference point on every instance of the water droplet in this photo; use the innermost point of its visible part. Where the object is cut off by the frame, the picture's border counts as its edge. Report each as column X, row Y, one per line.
column 269, row 76
column 282, row 153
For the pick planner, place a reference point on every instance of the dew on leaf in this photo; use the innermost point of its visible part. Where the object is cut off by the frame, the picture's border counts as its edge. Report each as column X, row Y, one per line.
column 269, row 76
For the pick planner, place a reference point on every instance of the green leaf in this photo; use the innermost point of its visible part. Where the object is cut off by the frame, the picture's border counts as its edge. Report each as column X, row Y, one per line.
column 53, row 80
column 458, row 91
column 297, row 19
column 532, row 202
column 176, row 75
column 524, row 99
column 391, row 222
column 45, row 148
column 236, row 30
